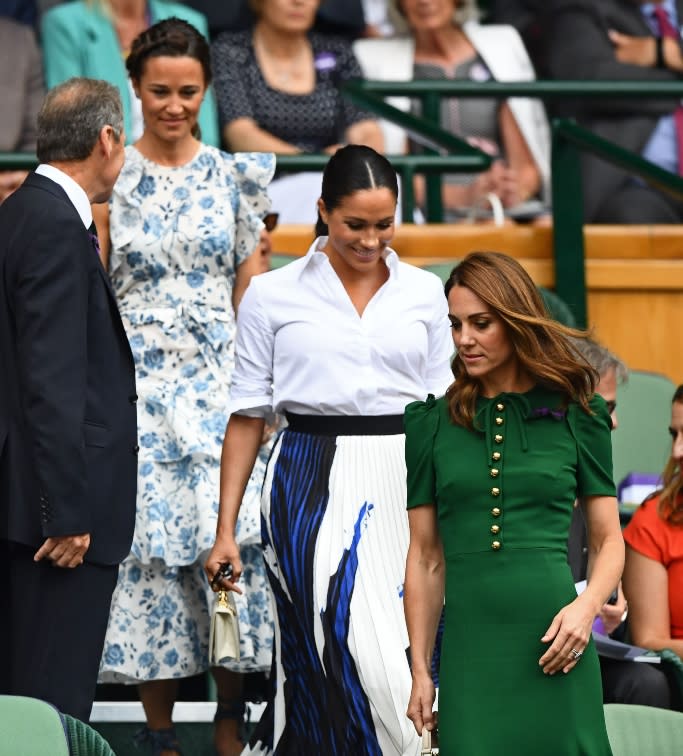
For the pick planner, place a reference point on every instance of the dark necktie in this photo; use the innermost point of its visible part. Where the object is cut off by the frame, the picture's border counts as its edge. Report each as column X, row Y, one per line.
column 667, row 29
column 94, row 240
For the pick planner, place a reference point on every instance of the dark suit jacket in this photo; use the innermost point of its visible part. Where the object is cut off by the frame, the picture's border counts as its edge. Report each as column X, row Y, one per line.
column 68, row 425
column 579, row 48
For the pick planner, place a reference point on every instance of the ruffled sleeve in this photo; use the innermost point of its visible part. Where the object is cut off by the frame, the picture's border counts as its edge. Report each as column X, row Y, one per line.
column 125, row 212
column 421, row 422
column 594, row 476
column 251, row 173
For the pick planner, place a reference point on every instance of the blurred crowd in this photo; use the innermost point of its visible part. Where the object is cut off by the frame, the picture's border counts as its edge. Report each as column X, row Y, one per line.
column 278, row 67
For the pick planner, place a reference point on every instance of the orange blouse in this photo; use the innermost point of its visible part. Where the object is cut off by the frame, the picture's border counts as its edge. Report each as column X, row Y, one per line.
column 650, row 535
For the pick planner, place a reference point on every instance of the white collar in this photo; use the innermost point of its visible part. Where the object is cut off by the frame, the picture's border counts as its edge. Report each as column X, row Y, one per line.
column 74, row 191
column 315, row 255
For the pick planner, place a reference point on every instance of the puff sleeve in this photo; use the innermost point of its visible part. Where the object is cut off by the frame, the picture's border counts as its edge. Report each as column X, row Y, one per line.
column 250, row 173
column 594, row 476
column 421, row 422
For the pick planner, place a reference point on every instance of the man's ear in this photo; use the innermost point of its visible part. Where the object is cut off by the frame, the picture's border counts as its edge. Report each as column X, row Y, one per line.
column 107, row 140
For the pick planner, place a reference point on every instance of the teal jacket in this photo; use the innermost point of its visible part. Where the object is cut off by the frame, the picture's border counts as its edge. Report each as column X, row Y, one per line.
column 79, row 40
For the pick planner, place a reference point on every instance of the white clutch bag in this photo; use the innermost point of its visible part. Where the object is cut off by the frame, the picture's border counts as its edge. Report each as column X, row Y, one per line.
column 224, row 634
column 430, row 742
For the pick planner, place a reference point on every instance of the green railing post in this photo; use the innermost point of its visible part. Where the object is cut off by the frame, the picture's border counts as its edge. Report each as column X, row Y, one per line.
column 568, row 244
column 431, row 111
column 407, row 193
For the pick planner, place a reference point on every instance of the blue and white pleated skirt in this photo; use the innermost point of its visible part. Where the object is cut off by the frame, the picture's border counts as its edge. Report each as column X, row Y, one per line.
column 335, row 537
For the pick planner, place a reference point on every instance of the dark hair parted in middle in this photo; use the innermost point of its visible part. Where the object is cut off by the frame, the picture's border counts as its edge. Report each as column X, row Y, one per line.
column 351, row 169
column 171, row 37
column 541, row 344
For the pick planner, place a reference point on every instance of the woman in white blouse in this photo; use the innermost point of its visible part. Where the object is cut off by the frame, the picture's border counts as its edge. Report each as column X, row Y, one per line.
column 339, row 342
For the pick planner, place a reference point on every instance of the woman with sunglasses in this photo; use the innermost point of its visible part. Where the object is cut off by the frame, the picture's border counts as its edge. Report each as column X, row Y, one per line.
column 181, row 232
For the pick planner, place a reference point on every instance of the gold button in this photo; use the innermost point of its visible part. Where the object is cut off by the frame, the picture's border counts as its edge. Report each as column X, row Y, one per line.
column 498, row 438
column 496, row 511
column 495, row 491
column 499, row 421
column 500, row 406
column 494, row 472
column 495, row 456
column 495, row 529
column 495, row 545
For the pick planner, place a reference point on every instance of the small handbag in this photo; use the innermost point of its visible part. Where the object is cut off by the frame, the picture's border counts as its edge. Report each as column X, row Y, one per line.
column 430, row 743
column 224, row 633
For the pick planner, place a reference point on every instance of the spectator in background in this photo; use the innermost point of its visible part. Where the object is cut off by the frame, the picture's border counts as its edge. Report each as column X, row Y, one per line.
column 21, row 94
column 528, row 17
column 278, row 89
column 622, row 681
column 93, row 38
column 345, row 17
column 653, row 576
column 446, row 42
column 621, row 40
column 183, row 228
column 277, row 85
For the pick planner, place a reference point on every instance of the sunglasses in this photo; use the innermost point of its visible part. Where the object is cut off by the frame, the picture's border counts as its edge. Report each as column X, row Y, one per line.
column 611, row 405
column 270, row 221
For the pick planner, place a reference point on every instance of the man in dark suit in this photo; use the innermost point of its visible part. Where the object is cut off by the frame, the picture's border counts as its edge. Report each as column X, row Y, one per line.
column 620, row 40
column 68, row 463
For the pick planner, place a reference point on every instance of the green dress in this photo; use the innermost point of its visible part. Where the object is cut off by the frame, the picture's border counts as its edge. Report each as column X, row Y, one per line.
column 504, row 495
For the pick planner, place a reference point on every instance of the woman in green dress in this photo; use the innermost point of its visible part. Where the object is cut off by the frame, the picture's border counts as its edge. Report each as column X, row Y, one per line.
column 494, row 468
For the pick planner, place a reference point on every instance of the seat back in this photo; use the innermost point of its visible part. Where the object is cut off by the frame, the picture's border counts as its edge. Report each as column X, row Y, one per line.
column 84, row 740
column 641, row 443
column 643, row 730
column 31, row 727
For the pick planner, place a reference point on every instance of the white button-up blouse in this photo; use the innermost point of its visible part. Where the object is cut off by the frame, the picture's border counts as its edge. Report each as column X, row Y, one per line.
column 302, row 347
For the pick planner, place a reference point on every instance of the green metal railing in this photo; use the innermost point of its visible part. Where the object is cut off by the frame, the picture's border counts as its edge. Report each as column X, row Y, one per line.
column 446, row 153
column 568, row 141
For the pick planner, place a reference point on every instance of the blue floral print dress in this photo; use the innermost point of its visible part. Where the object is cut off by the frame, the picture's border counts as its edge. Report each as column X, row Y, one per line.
column 178, row 235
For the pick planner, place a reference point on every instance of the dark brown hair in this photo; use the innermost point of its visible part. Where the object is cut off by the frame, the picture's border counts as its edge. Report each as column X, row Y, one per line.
column 540, row 343
column 171, row 37
column 671, row 495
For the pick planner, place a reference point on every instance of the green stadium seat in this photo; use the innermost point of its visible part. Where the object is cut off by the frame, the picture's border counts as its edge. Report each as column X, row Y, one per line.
column 643, row 730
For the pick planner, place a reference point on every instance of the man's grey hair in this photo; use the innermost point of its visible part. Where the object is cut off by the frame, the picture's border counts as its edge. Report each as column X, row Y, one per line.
column 71, row 118
column 600, row 358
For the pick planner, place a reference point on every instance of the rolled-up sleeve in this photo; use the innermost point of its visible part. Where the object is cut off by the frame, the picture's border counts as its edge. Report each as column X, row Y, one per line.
column 251, row 388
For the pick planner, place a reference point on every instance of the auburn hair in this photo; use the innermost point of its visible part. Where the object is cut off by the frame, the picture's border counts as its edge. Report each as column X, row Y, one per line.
column 670, row 505
column 542, row 345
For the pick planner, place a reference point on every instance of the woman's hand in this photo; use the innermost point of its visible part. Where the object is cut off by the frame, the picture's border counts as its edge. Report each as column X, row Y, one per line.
column 224, row 551
column 422, row 698
column 568, row 635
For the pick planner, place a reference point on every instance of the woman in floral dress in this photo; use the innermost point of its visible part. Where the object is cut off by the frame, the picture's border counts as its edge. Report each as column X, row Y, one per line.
column 182, row 225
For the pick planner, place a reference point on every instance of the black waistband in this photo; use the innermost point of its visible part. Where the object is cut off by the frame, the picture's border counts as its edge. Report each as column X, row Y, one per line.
column 345, row 425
